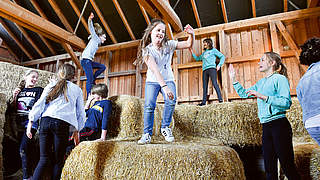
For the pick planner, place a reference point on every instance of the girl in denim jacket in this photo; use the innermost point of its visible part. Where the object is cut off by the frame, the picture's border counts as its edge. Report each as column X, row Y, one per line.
column 273, row 99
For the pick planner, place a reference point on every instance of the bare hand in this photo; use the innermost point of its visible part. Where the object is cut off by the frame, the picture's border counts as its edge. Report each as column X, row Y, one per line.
column 75, row 137
column 28, row 132
column 168, row 92
column 256, row 94
column 16, row 91
column 91, row 15
column 188, row 29
column 218, row 68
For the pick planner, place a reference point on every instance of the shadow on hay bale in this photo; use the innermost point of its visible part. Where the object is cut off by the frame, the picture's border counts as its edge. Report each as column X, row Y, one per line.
column 127, row 160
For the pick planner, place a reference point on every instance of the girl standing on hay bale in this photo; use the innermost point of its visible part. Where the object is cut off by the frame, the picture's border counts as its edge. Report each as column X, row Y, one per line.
column 25, row 97
column 60, row 106
column 273, row 99
column 156, row 51
column 308, row 88
column 97, row 37
column 209, row 68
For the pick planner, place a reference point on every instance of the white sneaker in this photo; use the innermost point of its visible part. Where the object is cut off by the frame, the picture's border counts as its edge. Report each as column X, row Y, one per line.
column 167, row 133
column 145, row 139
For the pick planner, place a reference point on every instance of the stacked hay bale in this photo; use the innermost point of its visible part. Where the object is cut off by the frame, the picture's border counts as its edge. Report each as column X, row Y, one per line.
column 127, row 160
column 3, row 107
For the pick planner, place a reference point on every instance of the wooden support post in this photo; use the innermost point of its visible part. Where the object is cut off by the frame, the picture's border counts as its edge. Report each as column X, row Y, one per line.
column 108, row 55
column 176, row 62
column 224, row 69
column 274, row 37
column 74, row 58
column 138, row 92
column 78, row 78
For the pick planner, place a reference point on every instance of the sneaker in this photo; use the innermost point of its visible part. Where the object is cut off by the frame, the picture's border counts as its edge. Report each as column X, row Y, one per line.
column 145, row 139
column 167, row 133
column 201, row 104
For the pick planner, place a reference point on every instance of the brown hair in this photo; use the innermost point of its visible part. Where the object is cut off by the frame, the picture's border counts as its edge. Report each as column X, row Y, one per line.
column 66, row 72
column 272, row 56
column 209, row 42
column 146, row 39
column 100, row 89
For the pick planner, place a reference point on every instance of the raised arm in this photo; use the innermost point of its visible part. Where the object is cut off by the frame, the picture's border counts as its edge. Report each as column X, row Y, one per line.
column 189, row 42
column 90, row 24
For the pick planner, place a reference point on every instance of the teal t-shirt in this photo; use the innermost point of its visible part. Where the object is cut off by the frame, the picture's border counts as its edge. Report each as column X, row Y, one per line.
column 208, row 58
column 277, row 88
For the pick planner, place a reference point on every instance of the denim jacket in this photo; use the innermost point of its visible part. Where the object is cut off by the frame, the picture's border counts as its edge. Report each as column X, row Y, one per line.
column 308, row 91
column 277, row 88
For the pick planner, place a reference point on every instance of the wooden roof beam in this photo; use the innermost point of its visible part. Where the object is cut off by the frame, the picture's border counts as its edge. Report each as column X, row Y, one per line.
column 150, row 9
column 224, row 11
column 253, row 5
column 25, row 51
column 76, row 10
column 103, row 21
column 10, row 51
column 74, row 57
column 59, row 13
column 124, row 19
column 31, row 21
column 46, row 42
column 313, row 3
column 49, row 59
column 195, row 12
column 123, row 45
column 285, row 5
column 144, row 13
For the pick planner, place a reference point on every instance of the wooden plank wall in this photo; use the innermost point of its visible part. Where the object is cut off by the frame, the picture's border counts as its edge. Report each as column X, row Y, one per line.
column 243, row 47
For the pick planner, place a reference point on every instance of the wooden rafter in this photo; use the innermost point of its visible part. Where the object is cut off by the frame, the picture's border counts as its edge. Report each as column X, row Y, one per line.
column 124, row 19
column 76, row 10
column 103, row 21
column 150, row 9
column 10, row 50
column 46, row 42
column 298, row 14
column 253, row 5
column 195, row 12
column 313, row 3
column 274, row 37
column 74, row 57
column 224, row 11
column 123, row 45
column 169, row 30
column 144, row 13
column 17, row 41
column 285, row 5
column 59, row 13
column 49, row 59
column 29, row 20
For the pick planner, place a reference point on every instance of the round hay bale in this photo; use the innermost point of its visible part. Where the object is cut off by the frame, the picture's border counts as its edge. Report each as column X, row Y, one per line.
column 127, row 160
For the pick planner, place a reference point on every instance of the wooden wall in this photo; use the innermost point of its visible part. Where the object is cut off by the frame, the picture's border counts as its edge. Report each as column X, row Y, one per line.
column 243, row 43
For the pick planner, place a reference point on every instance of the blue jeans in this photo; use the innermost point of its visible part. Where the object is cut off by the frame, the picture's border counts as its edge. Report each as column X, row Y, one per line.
column 28, row 153
column 315, row 133
column 152, row 90
column 53, row 142
column 88, row 66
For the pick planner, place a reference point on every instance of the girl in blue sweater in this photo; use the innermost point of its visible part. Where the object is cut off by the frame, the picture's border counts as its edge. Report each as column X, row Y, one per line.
column 273, row 99
column 209, row 68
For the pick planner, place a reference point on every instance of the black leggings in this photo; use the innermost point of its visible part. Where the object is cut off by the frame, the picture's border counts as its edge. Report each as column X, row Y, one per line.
column 212, row 72
column 277, row 144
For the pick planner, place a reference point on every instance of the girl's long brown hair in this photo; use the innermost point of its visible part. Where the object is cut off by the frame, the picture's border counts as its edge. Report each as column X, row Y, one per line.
column 66, row 72
column 272, row 56
column 146, row 40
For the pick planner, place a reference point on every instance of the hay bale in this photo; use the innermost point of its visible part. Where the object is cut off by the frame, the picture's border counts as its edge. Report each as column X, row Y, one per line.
column 294, row 115
column 3, row 107
column 307, row 160
column 127, row 160
column 232, row 123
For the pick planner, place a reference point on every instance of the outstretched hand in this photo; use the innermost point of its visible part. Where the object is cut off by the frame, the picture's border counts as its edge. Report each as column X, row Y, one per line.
column 188, row 29
column 28, row 132
column 256, row 94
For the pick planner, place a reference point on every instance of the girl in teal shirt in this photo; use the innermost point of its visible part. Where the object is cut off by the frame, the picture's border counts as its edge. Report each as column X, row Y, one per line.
column 273, row 99
column 209, row 68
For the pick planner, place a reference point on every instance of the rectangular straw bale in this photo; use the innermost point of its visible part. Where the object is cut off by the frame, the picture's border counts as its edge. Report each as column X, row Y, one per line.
column 294, row 115
column 3, row 107
column 127, row 160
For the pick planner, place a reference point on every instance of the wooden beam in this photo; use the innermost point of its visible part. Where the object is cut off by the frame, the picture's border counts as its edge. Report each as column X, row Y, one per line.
column 107, row 71
column 10, row 51
column 17, row 41
column 50, row 59
column 264, row 20
column 168, row 13
column 253, row 5
column 74, row 58
column 103, row 21
column 124, row 19
column 42, row 14
column 224, row 11
column 31, row 21
column 169, row 31
column 288, row 38
column 285, row 5
column 274, row 37
column 59, row 13
column 138, row 92
column 144, row 13
column 313, row 3
column 28, row 38
column 150, row 9
column 195, row 12
column 3, row 59
column 117, row 46
column 224, row 69
column 76, row 10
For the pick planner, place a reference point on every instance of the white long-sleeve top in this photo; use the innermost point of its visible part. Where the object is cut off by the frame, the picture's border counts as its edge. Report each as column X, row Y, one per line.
column 71, row 112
